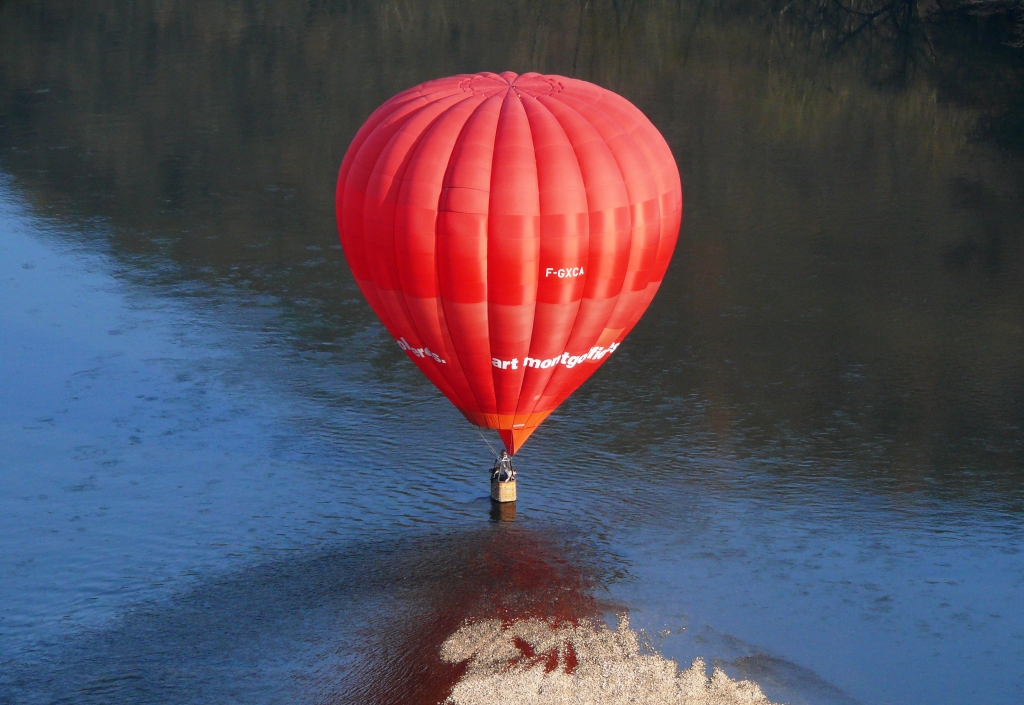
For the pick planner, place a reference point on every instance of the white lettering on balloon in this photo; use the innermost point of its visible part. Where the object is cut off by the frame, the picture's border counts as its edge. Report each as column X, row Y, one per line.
column 420, row 352
column 566, row 273
column 593, row 355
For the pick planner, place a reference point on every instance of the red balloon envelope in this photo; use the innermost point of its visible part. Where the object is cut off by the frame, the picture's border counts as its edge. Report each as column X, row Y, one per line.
column 509, row 231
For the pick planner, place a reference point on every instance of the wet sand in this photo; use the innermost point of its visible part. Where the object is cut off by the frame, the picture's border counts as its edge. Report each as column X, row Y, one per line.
column 533, row 662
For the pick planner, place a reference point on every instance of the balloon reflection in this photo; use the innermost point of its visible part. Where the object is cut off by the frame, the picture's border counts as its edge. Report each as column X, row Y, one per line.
column 508, row 573
column 503, row 511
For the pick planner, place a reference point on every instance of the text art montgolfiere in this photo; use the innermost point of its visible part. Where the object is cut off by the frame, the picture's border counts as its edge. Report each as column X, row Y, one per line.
column 509, row 231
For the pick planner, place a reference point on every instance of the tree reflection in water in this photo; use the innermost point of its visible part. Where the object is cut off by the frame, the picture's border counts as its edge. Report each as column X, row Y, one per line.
column 847, row 287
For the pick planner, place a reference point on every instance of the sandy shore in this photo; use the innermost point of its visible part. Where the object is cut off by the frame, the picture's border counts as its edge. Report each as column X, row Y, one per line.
column 532, row 662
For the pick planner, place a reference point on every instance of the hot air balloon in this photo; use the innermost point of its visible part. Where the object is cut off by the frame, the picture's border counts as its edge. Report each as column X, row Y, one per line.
column 509, row 231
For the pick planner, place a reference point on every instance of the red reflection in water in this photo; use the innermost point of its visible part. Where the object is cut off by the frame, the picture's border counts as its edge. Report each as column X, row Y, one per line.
column 508, row 574
column 570, row 659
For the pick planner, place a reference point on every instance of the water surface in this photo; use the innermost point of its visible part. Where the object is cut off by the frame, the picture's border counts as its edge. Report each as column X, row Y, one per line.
column 221, row 481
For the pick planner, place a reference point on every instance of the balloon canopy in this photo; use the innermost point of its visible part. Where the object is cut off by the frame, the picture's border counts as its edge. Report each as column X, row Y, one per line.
column 509, row 231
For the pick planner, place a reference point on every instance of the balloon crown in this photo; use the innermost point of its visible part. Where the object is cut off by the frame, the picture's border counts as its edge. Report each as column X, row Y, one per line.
column 534, row 84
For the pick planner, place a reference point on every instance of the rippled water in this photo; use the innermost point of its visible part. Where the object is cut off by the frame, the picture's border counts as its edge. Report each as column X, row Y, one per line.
column 221, row 481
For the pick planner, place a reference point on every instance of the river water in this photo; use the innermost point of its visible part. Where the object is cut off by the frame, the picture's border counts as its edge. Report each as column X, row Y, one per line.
column 220, row 480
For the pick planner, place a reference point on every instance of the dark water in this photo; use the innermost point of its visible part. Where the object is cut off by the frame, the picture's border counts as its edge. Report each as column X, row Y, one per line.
column 220, row 481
